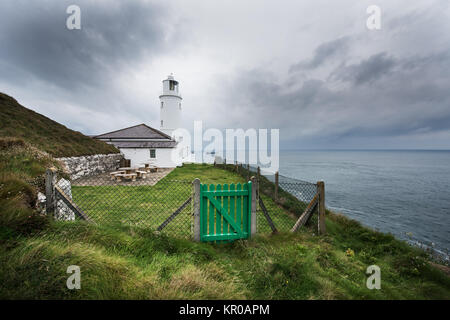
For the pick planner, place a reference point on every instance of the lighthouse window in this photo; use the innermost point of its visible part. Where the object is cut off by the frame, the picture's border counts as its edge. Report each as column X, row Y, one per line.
column 161, row 123
column 179, row 105
column 171, row 85
column 162, row 104
column 152, row 153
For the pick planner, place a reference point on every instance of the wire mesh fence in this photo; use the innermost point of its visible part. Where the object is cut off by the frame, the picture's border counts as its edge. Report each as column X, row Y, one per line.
column 282, row 200
column 153, row 200
column 148, row 200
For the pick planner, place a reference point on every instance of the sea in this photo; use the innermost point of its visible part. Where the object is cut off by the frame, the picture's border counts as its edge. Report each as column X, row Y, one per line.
column 402, row 192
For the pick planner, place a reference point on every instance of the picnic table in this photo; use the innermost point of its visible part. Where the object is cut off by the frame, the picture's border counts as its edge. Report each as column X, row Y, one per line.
column 149, row 166
column 128, row 169
column 128, row 173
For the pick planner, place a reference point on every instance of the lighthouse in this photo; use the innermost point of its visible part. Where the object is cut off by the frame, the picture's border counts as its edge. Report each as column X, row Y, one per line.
column 142, row 144
column 170, row 106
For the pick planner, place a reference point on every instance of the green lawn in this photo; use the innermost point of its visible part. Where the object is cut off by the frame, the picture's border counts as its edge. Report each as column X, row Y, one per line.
column 146, row 206
column 149, row 206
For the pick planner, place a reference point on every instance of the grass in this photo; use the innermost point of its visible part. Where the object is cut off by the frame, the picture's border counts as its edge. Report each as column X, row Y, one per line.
column 45, row 134
column 132, row 262
column 129, row 261
column 22, row 169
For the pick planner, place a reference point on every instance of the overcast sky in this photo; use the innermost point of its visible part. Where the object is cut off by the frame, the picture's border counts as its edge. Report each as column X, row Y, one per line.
column 310, row 68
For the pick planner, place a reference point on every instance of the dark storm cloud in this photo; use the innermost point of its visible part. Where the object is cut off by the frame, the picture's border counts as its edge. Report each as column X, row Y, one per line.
column 35, row 41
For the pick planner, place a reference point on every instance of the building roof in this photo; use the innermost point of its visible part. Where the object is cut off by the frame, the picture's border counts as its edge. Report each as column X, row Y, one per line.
column 144, row 144
column 140, row 131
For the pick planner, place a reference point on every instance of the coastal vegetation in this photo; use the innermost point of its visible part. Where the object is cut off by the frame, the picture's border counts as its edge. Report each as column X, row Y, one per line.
column 135, row 262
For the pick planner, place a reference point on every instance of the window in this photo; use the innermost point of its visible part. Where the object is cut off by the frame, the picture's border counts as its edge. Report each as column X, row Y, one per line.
column 162, row 104
column 152, row 153
column 173, row 85
column 179, row 105
column 162, row 123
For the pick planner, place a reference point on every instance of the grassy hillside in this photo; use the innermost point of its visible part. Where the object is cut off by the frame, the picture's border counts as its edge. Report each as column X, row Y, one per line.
column 135, row 263
column 47, row 135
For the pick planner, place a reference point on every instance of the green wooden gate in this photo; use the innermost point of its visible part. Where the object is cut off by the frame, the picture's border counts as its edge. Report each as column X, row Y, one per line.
column 225, row 212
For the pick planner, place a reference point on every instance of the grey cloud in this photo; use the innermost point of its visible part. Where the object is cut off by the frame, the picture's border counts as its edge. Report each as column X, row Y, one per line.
column 322, row 53
column 367, row 70
column 110, row 38
column 370, row 86
column 384, row 97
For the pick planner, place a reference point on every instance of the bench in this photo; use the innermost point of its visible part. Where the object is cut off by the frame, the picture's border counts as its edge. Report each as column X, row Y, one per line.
column 128, row 176
column 114, row 173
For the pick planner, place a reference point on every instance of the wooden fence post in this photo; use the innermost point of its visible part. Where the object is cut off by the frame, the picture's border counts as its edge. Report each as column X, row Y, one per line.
column 50, row 181
column 253, row 204
column 321, row 220
column 196, row 205
column 276, row 186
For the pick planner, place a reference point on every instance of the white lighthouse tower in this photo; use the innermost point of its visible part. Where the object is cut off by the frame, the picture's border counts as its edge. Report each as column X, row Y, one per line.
column 170, row 106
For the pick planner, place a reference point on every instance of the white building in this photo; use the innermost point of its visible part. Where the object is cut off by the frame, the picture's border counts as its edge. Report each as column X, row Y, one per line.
column 144, row 144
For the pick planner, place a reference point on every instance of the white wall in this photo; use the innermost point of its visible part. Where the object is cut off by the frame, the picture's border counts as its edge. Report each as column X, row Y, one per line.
column 140, row 155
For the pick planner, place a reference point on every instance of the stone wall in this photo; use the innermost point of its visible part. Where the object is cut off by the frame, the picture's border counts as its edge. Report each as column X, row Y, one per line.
column 78, row 167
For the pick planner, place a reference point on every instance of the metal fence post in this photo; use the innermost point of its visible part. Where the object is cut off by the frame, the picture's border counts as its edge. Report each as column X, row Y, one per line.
column 321, row 220
column 276, row 186
column 258, row 178
column 196, row 198
column 253, row 204
column 50, row 181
